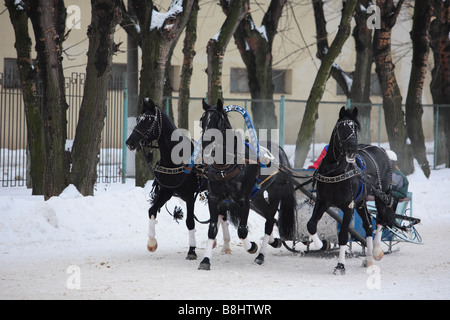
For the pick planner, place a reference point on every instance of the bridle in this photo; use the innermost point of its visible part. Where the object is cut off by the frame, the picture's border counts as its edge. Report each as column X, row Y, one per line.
column 222, row 128
column 146, row 135
column 222, row 117
column 340, row 141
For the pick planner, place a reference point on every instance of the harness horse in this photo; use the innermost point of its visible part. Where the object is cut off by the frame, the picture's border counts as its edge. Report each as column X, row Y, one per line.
column 170, row 178
column 232, row 178
column 348, row 173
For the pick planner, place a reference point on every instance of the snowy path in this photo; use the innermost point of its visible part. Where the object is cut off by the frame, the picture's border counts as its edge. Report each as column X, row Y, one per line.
column 72, row 247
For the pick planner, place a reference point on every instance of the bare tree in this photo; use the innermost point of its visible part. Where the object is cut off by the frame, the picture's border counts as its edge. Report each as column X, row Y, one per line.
column 157, row 34
column 440, row 84
column 360, row 90
column 355, row 85
column 187, row 68
column 414, row 109
column 392, row 99
column 28, row 81
column 216, row 47
column 48, row 20
column 255, row 46
column 105, row 15
column 304, row 137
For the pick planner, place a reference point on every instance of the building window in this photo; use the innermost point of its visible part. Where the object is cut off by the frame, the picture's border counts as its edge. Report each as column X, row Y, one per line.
column 375, row 89
column 239, row 81
column 279, row 81
column 117, row 74
column 11, row 76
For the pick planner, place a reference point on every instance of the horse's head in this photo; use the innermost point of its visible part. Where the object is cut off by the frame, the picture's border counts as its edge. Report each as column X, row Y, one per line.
column 148, row 126
column 346, row 133
column 214, row 122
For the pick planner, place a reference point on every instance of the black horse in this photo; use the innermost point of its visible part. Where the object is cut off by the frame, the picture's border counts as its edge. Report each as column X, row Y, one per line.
column 170, row 178
column 234, row 178
column 346, row 176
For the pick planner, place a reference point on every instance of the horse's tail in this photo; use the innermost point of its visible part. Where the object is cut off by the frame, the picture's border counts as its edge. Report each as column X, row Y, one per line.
column 288, row 204
column 287, row 212
column 234, row 217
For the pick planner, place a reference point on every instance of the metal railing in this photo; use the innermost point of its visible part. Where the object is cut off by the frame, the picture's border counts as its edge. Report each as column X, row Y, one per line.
column 115, row 164
column 13, row 130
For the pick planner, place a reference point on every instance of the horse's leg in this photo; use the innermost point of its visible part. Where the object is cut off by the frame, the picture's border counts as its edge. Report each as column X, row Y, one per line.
column 367, row 225
column 190, row 224
column 161, row 198
column 213, row 204
column 268, row 230
column 382, row 212
column 343, row 239
column 244, row 210
column 318, row 211
column 226, row 235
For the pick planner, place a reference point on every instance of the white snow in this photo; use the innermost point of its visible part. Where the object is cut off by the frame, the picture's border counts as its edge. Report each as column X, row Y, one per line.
column 19, row 5
column 158, row 18
column 261, row 30
column 74, row 247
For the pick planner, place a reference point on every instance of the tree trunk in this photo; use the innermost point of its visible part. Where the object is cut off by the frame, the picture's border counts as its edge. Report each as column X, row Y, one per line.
column 156, row 42
column 414, row 109
column 35, row 133
column 187, row 68
column 235, row 11
column 167, row 92
column 48, row 19
column 305, row 134
column 86, row 147
column 255, row 48
column 440, row 84
column 392, row 99
column 360, row 90
column 357, row 86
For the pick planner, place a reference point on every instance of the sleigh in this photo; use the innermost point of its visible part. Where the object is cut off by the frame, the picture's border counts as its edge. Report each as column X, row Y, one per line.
column 329, row 226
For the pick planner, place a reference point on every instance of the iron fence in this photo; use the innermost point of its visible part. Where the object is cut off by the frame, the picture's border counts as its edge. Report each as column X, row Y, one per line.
column 116, row 163
column 13, row 131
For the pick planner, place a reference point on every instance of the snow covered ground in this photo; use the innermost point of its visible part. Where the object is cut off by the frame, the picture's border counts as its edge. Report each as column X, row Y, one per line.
column 74, row 247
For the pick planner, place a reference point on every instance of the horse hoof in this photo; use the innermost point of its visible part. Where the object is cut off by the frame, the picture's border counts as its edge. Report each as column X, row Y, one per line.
column 215, row 243
column 226, row 250
column 339, row 270
column 367, row 263
column 377, row 253
column 205, row 264
column 191, row 254
column 259, row 259
column 253, row 248
column 152, row 245
column 326, row 245
column 276, row 243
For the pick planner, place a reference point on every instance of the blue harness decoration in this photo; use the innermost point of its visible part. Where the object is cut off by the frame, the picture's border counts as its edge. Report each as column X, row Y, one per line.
column 252, row 132
column 251, row 129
